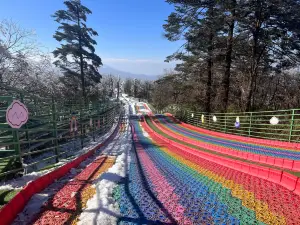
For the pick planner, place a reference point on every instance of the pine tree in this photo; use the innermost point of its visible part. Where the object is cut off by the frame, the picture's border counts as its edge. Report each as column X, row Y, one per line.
column 197, row 23
column 230, row 10
column 271, row 33
column 76, row 55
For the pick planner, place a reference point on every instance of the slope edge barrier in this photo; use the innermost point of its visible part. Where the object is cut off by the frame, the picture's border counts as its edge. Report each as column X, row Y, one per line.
column 16, row 205
column 279, row 144
column 269, row 160
column 284, row 179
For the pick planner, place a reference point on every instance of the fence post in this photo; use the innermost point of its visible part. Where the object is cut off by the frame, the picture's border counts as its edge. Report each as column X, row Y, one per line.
column 250, row 122
column 54, row 120
column 81, row 128
column 93, row 127
column 225, row 125
column 17, row 147
column 292, row 125
column 26, row 125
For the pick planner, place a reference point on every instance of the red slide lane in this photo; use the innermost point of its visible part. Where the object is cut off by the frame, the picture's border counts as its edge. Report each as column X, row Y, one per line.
column 150, row 111
column 269, row 160
column 16, row 205
column 273, row 143
column 286, row 180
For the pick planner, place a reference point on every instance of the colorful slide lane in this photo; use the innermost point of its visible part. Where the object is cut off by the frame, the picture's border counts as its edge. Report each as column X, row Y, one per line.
column 66, row 205
column 260, row 141
column 143, row 108
column 279, row 163
column 235, row 145
column 166, row 184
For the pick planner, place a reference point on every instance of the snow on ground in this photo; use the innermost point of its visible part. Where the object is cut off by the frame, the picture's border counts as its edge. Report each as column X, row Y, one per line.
column 102, row 209
column 133, row 108
column 36, row 202
column 22, row 181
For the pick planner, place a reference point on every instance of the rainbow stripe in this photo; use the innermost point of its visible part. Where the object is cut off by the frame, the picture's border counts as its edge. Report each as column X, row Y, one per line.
column 166, row 186
column 235, row 145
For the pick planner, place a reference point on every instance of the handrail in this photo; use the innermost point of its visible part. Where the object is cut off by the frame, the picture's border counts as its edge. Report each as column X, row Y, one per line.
column 252, row 124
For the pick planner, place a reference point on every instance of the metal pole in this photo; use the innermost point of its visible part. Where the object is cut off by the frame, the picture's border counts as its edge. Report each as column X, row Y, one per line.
column 81, row 128
column 225, row 125
column 250, row 121
column 93, row 127
column 17, row 148
column 292, row 125
column 54, row 121
column 26, row 125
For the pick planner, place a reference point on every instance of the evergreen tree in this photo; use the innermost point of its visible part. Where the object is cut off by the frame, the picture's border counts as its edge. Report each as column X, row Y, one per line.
column 199, row 24
column 128, row 86
column 270, row 31
column 76, row 55
column 230, row 11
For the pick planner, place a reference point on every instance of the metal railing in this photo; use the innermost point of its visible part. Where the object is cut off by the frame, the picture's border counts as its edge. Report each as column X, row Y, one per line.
column 252, row 124
column 47, row 137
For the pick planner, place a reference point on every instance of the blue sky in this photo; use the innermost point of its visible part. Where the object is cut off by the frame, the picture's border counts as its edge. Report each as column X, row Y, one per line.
column 130, row 31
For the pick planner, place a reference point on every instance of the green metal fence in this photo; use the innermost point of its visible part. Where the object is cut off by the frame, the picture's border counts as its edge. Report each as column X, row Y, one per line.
column 47, row 138
column 253, row 124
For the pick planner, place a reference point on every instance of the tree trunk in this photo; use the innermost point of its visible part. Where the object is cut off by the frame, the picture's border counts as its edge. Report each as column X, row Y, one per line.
column 81, row 60
column 226, row 79
column 255, row 56
column 208, row 84
column 209, row 66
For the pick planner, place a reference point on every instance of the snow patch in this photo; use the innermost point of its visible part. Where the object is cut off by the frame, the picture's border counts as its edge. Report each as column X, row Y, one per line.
column 102, row 209
column 22, row 181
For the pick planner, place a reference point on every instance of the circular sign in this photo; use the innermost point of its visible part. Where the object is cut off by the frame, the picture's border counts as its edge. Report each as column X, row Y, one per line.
column 16, row 114
column 274, row 120
column 214, row 118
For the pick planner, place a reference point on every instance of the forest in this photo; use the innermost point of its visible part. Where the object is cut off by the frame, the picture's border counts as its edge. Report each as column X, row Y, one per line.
column 238, row 55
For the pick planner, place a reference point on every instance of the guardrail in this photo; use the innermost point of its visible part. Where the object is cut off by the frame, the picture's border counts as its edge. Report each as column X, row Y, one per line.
column 9, row 212
column 47, row 137
column 268, row 160
column 252, row 124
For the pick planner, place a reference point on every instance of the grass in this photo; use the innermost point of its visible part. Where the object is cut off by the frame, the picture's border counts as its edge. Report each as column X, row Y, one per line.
column 216, row 153
column 7, row 195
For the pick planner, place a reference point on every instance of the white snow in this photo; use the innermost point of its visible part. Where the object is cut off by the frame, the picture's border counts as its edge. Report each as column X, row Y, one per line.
column 22, row 181
column 102, row 209
column 133, row 108
column 36, row 202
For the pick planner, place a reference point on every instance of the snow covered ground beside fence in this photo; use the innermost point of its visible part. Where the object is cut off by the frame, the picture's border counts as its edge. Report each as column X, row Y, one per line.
column 22, row 181
column 102, row 209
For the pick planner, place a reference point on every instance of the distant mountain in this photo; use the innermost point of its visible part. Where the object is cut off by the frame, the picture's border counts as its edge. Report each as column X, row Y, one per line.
column 109, row 70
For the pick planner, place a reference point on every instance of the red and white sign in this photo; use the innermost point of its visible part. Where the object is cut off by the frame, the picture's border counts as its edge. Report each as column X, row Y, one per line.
column 16, row 114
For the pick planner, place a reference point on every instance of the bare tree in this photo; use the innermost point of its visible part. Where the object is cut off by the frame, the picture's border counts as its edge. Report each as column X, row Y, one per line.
column 17, row 46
